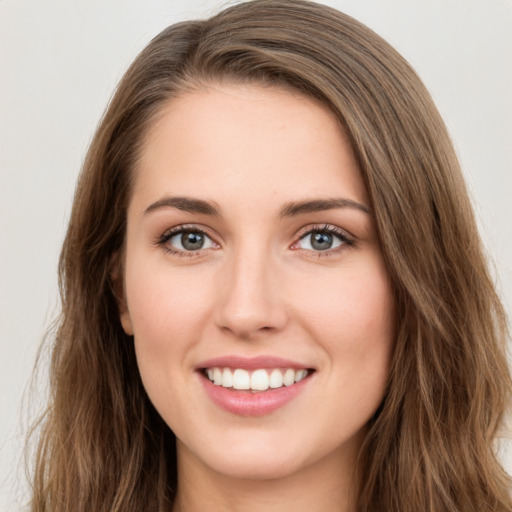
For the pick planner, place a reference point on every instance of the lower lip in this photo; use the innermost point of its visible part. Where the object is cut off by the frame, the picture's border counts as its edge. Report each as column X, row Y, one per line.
column 245, row 403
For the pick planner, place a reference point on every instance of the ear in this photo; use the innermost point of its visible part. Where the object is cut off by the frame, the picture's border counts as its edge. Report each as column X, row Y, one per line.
column 118, row 290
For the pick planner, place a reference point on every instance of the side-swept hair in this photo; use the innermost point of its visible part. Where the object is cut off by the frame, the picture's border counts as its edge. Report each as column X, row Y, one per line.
column 430, row 446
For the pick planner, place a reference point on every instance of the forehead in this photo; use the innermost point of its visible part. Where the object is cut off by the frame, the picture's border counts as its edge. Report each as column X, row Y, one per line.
column 246, row 142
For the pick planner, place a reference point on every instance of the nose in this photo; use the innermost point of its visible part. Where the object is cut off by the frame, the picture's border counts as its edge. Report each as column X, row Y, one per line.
column 250, row 302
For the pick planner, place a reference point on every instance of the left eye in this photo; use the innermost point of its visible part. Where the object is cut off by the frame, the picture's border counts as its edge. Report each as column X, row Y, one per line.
column 190, row 241
column 320, row 241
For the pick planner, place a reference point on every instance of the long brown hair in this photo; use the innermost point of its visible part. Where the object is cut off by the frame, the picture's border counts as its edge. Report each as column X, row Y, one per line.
column 430, row 446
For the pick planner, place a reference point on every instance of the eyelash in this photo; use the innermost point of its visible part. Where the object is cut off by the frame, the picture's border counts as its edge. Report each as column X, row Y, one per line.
column 347, row 240
column 192, row 228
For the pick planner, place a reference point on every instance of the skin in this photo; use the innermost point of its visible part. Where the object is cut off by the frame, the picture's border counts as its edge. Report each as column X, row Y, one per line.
column 258, row 287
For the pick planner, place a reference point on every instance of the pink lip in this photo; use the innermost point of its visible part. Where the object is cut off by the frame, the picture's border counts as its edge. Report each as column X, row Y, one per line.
column 246, row 403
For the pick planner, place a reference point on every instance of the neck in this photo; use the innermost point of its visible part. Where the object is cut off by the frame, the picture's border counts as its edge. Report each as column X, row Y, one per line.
column 328, row 485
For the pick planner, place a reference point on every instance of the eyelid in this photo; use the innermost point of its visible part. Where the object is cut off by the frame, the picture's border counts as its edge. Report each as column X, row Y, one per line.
column 163, row 239
column 347, row 239
column 180, row 228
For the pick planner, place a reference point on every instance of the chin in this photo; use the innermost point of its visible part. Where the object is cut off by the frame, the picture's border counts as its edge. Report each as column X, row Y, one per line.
column 246, row 457
column 252, row 455
column 261, row 468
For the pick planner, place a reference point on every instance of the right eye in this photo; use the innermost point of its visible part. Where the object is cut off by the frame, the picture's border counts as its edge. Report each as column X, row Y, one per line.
column 321, row 240
column 188, row 240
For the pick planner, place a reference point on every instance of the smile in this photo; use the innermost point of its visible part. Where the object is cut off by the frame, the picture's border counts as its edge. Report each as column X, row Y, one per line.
column 254, row 386
column 257, row 380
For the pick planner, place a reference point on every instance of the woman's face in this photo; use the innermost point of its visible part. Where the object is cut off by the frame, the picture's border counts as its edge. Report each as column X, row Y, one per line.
column 252, row 261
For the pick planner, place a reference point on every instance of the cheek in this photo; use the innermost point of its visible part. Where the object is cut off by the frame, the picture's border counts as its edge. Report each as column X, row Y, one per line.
column 160, row 301
column 166, row 309
column 350, row 313
column 351, row 301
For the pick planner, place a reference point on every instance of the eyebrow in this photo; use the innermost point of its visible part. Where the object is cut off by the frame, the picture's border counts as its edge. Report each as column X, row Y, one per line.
column 186, row 204
column 320, row 205
column 192, row 205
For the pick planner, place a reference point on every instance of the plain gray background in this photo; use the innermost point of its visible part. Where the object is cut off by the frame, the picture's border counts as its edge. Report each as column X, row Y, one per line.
column 59, row 63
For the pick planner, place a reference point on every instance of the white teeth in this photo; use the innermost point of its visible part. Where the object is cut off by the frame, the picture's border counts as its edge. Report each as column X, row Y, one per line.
column 227, row 378
column 300, row 375
column 217, row 377
column 258, row 380
column 276, row 379
column 241, row 379
column 289, row 377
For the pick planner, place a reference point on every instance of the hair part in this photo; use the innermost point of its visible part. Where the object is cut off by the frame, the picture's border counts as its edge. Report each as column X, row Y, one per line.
column 430, row 446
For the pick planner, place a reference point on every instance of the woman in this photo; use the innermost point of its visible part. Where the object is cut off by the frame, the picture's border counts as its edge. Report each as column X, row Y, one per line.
column 274, row 293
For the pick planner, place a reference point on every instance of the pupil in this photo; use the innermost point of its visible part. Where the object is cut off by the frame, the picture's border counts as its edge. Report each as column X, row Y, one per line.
column 192, row 241
column 321, row 241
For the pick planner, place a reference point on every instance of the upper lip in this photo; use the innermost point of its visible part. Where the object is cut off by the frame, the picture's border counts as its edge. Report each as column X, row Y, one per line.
column 251, row 363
